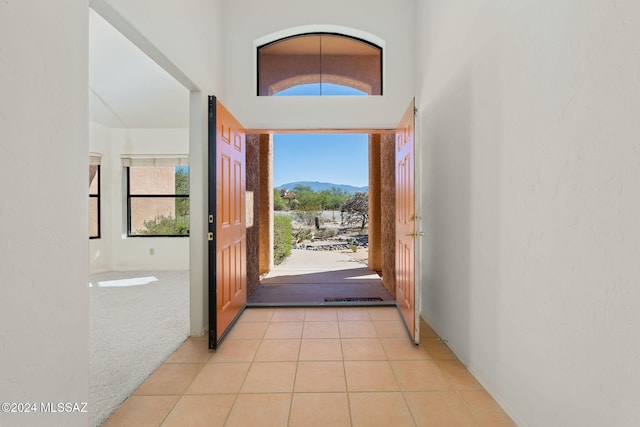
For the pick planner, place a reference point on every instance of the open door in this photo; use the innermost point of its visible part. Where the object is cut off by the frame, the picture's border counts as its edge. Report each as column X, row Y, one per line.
column 406, row 217
column 227, row 222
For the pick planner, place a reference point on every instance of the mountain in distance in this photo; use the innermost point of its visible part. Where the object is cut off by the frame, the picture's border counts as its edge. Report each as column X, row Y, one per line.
column 321, row 186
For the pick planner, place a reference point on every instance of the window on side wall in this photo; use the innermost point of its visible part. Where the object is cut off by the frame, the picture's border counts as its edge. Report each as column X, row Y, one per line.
column 94, row 196
column 319, row 64
column 157, row 197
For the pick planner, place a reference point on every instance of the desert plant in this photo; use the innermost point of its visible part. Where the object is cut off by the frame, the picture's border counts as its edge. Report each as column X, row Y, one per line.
column 326, row 233
column 302, row 235
column 356, row 209
column 306, row 217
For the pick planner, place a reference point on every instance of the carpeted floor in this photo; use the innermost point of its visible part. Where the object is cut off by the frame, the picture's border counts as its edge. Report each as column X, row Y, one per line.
column 137, row 320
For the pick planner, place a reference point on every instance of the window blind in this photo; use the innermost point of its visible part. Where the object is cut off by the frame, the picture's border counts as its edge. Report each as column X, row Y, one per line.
column 95, row 158
column 155, row 160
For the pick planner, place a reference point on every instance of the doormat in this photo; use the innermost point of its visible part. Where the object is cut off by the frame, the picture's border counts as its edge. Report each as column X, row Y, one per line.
column 352, row 299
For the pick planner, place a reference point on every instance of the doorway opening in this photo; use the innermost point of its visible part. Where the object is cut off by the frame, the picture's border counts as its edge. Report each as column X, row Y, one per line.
column 321, row 192
column 241, row 239
column 324, row 217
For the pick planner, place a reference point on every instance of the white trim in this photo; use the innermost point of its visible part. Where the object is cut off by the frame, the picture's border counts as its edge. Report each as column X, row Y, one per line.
column 319, row 28
column 155, row 160
column 419, row 222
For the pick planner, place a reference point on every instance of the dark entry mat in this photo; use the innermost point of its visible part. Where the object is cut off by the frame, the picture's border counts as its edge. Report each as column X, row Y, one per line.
column 355, row 299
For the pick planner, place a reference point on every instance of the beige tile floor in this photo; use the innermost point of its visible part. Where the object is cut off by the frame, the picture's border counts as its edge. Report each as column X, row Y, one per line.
column 351, row 366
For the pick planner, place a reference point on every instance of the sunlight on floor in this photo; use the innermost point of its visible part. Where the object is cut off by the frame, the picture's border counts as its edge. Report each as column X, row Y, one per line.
column 372, row 276
column 137, row 281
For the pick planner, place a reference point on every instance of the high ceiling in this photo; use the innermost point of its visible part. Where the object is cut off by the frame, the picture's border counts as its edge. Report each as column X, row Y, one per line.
column 126, row 88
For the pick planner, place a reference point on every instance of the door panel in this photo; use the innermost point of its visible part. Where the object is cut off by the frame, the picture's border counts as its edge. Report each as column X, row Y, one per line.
column 405, row 222
column 227, row 247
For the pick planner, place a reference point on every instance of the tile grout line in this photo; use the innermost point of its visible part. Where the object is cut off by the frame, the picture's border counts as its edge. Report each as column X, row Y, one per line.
column 466, row 404
column 180, row 396
column 402, row 392
column 170, row 410
column 346, row 381
column 295, row 374
column 235, row 399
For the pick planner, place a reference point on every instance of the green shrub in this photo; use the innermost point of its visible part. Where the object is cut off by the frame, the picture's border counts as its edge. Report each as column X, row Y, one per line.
column 165, row 226
column 281, row 238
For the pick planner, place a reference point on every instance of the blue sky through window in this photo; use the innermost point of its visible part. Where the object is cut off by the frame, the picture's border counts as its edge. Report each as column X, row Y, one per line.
column 334, row 158
column 314, row 89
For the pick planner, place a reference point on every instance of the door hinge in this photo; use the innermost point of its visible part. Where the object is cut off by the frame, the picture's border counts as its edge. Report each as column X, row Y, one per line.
column 210, row 237
column 210, row 219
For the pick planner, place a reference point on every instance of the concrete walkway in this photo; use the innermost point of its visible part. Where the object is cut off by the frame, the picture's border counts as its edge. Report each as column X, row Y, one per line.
column 318, row 278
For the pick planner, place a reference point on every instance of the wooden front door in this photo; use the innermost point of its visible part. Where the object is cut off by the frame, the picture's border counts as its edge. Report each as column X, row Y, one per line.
column 227, row 222
column 405, row 222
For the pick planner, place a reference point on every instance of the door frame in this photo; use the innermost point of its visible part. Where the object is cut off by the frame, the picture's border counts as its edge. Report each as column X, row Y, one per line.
column 417, row 185
column 212, row 172
column 419, row 207
column 212, row 241
column 361, row 131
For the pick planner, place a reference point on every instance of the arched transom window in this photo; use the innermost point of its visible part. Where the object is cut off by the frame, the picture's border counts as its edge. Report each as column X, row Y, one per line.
column 322, row 63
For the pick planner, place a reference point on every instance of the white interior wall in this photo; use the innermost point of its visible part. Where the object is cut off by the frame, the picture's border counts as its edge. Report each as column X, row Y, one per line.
column 248, row 20
column 115, row 251
column 187, row 40
column 529, row 117
column 44, row 273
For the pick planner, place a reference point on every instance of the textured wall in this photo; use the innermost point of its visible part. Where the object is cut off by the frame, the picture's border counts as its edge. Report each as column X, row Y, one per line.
column 279, row 72
column 375, row 241
column 388, row 211
column 253, row 232
column 266, row 203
